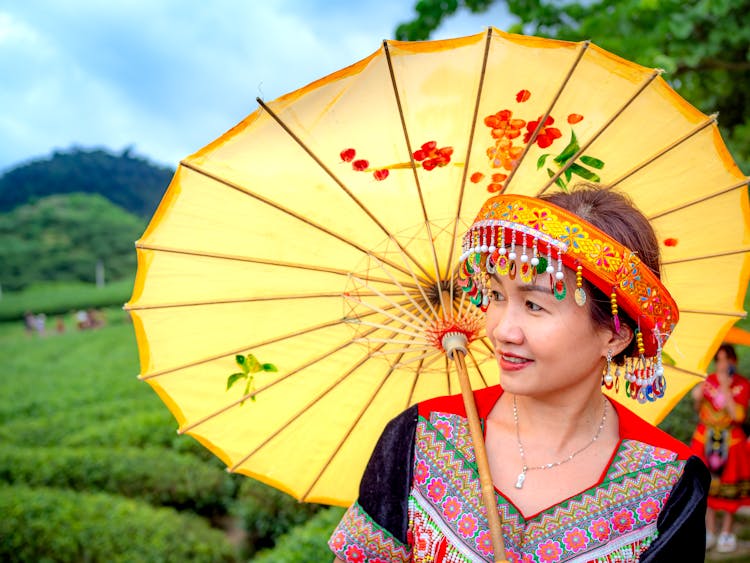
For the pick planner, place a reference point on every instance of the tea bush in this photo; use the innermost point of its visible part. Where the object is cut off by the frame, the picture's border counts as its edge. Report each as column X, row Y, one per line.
column 66, row 526
column 306, row 542
column 267, row 513
column 154, row 475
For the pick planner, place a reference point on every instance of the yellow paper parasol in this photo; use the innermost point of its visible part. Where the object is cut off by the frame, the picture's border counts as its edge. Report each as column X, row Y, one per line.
column 320, row 235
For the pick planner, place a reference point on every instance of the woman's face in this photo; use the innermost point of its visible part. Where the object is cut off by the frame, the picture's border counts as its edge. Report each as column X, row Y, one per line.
column 544, row 345
column 723, row 362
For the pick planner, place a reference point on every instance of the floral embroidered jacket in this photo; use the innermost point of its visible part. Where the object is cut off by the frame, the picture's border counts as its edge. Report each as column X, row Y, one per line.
column 420, row 499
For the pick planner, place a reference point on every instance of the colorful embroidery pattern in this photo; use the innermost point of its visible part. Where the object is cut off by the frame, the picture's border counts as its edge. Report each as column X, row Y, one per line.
column 357, row 539
column 613, row 521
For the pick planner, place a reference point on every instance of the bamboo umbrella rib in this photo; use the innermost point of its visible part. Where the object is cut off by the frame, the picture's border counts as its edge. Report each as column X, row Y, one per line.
column 462, row 187
column 273, row 340
column 417, row 184
column 484, row 341
column 348, row 433
column 476, row 366
column 409, row 296
column 302, row 411
column 429, row 358
column 376, row 325
column 733, row 187
column 707, row 256
column 357, row 299
column 299, row 266
column 601, row 130
column 422, row 357
column 392, row 340
column 411, row 347
column 239, row 350
column 340, row 184
column 410, row 397
column 421, row 291
column 689, row 372
column 279, row 207
column 405, row 350
column 710, row 121
column 462, row 303
column 385, row 296
column 584, row 47
column 244, row 398
column 432, row 358
column 269, row 385
column 733, row 314
column 325, row 295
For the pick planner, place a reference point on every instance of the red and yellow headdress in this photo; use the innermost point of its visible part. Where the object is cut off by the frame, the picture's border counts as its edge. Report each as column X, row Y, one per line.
column 524, row 236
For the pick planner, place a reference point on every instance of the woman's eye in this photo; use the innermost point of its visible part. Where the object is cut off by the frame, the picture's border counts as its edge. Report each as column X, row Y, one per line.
column 495, row 295
column 533, row 306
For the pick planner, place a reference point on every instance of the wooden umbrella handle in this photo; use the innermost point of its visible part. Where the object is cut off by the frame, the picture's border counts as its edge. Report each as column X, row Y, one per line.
column 488, row 489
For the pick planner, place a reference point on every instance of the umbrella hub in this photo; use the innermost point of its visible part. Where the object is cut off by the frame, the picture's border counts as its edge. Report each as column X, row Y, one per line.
column 450, row 334
column 454, row 342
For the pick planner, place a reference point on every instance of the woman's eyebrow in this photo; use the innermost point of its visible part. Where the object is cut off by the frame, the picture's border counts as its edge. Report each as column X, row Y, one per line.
column 532, row 287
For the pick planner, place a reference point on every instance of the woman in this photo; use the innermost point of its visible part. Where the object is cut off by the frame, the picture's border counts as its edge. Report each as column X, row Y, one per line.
column 719, row 440
column 577, row 476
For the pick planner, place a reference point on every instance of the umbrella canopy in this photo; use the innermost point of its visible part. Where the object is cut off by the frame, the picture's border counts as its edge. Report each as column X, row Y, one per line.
column 320, row 237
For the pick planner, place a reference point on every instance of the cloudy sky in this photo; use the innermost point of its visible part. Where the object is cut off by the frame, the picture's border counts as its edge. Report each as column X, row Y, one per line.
column 168, row 76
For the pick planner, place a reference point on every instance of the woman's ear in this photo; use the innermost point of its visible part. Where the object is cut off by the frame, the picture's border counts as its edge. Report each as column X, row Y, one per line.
column 619, row 341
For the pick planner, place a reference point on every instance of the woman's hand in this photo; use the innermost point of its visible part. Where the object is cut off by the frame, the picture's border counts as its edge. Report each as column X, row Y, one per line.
column 724, row 377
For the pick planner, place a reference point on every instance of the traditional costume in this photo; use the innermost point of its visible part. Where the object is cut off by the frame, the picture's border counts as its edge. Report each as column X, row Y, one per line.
column 721, row 443
column 419, row 498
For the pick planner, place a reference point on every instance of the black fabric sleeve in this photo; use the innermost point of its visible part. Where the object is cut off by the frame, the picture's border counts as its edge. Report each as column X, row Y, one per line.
column 682, row 521
column 385, row 485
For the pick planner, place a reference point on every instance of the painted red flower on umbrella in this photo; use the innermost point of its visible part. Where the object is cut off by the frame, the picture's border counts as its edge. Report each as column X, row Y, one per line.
column 431, row 156
column 508, row 147
column 547, row 134
column 503, row 126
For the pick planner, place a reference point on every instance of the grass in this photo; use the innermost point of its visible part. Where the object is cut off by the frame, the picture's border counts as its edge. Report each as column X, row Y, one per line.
column 62, row 373
column 61, row 298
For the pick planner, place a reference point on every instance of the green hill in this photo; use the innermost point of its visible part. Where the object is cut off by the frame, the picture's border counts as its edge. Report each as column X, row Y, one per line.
column 62, row 237
column 131, row 182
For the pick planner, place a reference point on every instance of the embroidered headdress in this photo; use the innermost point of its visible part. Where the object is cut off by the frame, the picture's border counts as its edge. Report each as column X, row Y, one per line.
column 522, row 236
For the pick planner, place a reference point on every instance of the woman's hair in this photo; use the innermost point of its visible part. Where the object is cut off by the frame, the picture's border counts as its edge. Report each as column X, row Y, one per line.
column 613, row 213
column 729, row 351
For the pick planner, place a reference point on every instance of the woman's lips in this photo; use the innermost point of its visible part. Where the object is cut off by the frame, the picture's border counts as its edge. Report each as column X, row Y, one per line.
column 512, row 362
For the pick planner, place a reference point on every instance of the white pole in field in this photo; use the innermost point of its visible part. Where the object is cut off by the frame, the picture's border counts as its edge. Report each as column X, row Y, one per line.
column 99, row 273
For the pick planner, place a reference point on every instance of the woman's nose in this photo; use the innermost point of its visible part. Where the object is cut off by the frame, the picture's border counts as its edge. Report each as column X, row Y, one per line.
column 507, row 327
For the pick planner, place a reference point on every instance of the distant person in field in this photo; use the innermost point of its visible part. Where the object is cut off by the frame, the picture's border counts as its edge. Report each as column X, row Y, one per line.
column 82, row 320
column 29, row 321
column 40, row 323
column 96, row 320
column 719, row 440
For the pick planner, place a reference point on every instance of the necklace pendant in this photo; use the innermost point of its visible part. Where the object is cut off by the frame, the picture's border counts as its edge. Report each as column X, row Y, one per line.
column 521, row 478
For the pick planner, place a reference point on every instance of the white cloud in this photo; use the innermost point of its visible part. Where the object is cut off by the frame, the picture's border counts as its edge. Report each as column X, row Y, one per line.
column 169, row 76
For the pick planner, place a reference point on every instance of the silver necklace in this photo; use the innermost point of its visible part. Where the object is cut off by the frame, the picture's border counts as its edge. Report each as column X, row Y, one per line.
column 525, row 468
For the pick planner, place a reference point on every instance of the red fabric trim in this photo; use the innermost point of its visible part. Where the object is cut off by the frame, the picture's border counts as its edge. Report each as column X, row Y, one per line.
column 632, row 427
column 454, row 404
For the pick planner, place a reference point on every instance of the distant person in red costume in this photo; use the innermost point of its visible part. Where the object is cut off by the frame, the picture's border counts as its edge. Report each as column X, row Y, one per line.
column 719, row 440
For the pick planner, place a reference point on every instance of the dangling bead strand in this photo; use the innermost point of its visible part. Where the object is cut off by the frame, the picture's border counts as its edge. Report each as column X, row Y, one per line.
column 615, row 316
